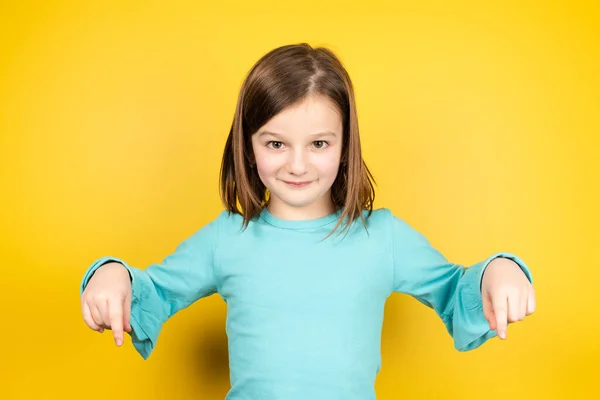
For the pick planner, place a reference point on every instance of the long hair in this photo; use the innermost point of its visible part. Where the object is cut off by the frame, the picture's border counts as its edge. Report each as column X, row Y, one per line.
column 282, row 78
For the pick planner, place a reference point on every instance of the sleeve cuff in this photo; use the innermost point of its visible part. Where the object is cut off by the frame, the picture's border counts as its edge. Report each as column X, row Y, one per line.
column 510, row 256
column 145, row 328
column 97, row 264
column 470, row 327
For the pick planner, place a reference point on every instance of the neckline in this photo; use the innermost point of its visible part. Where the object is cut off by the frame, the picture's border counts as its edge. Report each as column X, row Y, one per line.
column 298, row 224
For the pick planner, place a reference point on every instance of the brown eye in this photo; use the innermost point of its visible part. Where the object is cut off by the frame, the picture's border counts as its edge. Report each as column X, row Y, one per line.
column 320, row 144
column 275, row 145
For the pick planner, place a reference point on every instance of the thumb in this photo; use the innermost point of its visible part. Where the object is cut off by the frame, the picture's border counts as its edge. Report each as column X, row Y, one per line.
column 488, row 310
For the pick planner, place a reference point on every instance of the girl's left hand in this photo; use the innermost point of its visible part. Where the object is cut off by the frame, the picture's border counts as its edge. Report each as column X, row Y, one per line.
column 506, row 293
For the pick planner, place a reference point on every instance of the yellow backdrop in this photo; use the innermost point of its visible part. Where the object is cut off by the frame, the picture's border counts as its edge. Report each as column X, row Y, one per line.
column 479, row 120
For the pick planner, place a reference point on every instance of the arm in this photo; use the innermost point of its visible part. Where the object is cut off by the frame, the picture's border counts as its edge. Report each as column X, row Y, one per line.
column 452, row 290
column 162, row 289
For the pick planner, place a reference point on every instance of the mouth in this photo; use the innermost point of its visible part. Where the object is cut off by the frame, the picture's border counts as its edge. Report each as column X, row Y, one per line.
column 297, row 184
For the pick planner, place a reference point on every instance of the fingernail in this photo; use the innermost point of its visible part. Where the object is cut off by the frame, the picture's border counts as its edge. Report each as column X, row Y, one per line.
column 101, row 330
column 119, row 342
column 502, row 335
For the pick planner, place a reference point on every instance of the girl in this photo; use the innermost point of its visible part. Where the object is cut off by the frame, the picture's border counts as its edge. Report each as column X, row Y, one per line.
column 302, row 260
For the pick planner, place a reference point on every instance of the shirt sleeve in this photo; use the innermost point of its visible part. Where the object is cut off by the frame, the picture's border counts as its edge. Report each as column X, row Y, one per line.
column 452, row 290
column 162, row 289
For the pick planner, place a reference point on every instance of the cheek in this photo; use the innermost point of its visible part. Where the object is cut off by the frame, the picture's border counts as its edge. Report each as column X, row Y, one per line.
column 263, row 161
column 330, row 165
column 266, row 167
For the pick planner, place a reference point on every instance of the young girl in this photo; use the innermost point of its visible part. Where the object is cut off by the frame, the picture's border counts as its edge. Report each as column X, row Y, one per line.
column 302, row 260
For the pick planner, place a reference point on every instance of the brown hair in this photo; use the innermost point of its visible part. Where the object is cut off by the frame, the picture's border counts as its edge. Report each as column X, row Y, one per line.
column 281, row 78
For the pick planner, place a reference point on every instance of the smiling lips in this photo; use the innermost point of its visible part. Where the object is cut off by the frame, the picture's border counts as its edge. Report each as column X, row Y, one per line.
column 297, row 184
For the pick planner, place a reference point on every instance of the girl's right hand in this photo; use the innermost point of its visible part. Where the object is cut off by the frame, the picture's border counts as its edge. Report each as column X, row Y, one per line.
column 106, row 300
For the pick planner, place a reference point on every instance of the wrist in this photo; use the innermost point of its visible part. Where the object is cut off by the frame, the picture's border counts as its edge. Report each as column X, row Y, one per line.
column 113, row 266
column 501, row 262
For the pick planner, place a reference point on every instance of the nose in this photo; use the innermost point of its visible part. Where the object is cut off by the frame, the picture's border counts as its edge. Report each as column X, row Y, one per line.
column 297, row 163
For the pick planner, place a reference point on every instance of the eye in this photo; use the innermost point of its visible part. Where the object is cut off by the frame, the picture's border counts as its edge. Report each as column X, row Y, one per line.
column 275, row 145
column 320, row 144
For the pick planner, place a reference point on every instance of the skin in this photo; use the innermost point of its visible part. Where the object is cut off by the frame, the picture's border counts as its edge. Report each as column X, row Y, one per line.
column 507, row 295
column 303, row 143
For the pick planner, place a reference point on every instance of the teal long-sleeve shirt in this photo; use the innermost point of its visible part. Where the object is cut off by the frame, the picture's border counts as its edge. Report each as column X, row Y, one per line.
column 304, row 315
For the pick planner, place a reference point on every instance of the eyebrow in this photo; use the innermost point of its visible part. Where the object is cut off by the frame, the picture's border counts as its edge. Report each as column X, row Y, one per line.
column 319, row 134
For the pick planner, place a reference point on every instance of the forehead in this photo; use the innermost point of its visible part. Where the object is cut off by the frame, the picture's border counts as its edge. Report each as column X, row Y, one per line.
column 312, row 115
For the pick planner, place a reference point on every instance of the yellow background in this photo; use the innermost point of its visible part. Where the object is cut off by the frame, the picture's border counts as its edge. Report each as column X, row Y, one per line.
column 479, row 120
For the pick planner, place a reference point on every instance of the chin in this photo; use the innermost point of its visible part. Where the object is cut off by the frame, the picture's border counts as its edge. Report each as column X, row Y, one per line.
column 296, row 200
column 298, row 204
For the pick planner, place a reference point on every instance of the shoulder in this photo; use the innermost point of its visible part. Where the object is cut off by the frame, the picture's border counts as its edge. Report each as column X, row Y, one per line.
column 384, row 218
column 228, row 221
column 226, row 216
column 221, row 223
column 379, row 217
column 377, row 223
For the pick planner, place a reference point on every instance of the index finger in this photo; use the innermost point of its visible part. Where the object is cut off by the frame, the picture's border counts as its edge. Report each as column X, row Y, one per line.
column 500, row 304
column 115, row 311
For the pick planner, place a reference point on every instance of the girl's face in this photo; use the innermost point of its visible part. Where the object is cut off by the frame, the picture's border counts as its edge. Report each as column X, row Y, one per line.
column 297, row 156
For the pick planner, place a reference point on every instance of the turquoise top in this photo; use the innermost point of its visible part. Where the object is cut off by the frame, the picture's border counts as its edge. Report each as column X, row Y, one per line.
column 304, row 315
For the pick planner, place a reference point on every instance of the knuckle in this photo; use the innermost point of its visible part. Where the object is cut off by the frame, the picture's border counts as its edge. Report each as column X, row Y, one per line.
column 87, row 298
column 102, row 296
column 513, row 318
column 95, row 299
column 89, row 323
column 501, row 310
